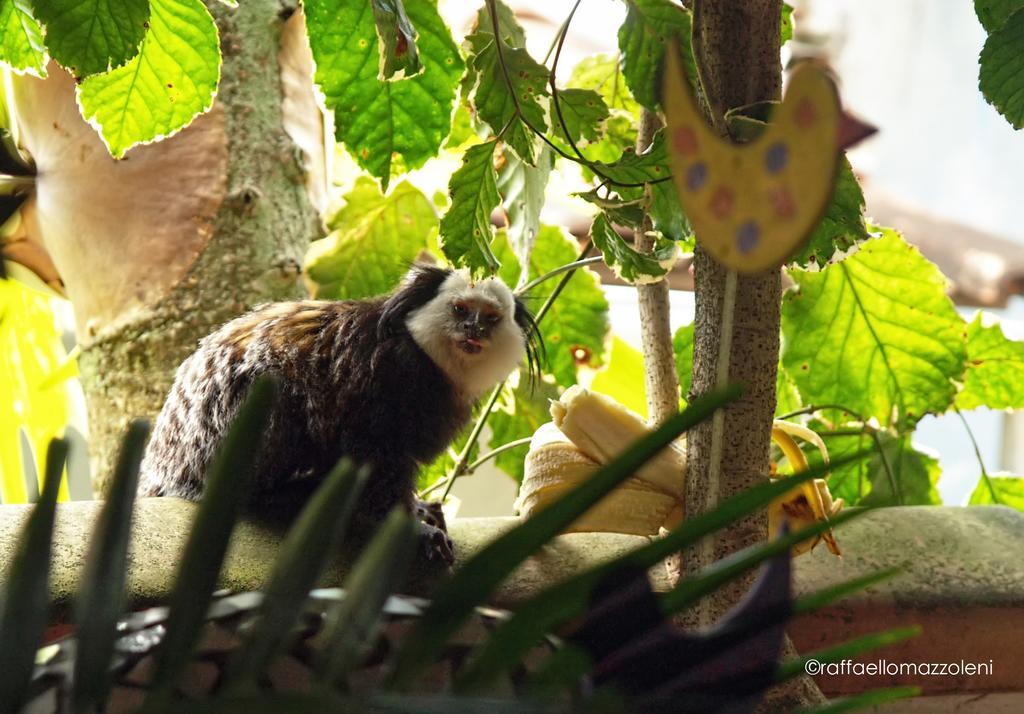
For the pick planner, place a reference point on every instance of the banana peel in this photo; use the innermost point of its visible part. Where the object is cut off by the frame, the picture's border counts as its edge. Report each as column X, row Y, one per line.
column 810, row 502
column 589, row 429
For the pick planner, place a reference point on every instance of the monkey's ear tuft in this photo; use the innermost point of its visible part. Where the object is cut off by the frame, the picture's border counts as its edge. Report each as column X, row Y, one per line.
column 419, row 286
column 536, row 352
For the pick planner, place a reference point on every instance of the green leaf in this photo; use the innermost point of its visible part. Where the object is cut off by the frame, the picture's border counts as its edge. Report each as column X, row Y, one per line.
column 382, row 122
column 21, row 39
column 518, row 414
column 853, row 481
column 846, row 650
column 95, row 35
column 1001, row 70
column 466, row 230
column 171, row 81
column 603, row 74
column 682, row 345
column 455, row 598
column 575, row 328
column 1008, row 491
column 864, row 701
column 876, row 333
column 895, row 474
column 352, row 623
column 819, row 599
column 622, row 378
column 841, row 228
column 786, row 25
column 376, row 241
column 100, row 596
column 25, row 599
column 434, row 471
column 619, row 211
column 311, row 541
column 993, row 13
column 995, row 369
column 914, row 475
column 200, row 564
column 659, row 196
column 787, row 396
column 511, row 31
column 562, row 602
column 643, row 38
column 627, row 262
column 583, row 111
column 522, row 188
column 462, row 127
column 691, row 589
column 618, row 138
column 397, row 36
column 505, row 100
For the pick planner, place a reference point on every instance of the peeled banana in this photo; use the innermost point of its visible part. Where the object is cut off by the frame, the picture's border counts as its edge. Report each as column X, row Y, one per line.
column 589, row 429
column 602, row 429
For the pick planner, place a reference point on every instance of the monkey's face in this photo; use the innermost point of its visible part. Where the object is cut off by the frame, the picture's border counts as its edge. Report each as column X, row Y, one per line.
column 469, row 330
column 473, row 321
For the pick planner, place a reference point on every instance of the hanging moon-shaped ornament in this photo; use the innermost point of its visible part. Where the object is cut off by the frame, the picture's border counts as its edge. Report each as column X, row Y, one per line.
column 753, row 205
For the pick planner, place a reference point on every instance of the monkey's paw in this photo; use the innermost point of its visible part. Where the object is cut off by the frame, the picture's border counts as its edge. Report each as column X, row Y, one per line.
column 431, row 513
column 435, row 544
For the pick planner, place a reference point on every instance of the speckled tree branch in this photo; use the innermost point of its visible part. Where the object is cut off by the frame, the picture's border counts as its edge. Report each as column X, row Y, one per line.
column 660, row 376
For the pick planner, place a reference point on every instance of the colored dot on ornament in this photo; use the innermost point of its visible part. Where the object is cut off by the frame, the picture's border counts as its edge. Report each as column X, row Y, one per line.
column 782, row 202
column 747, row 236
column 696, row 176
column 721, row 202
column 776, row 157
column 685, row 140
column 805, row 113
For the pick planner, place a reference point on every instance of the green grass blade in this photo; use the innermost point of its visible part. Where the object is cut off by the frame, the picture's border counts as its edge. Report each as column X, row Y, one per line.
column 690, row 590
column 862, row 701
column 316, row 535
column 208, row 542
column 815, row 601
column 846, row 650
column 352, row 623
column 568, row 599
column 101, row 593
column 471, row 584
column 24, row 604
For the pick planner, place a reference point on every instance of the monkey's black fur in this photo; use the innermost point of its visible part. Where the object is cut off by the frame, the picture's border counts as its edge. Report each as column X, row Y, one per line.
column 354, row 383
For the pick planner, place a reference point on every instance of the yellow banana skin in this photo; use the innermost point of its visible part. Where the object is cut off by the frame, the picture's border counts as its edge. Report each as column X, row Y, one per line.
column 811, row 501
column 589, row 429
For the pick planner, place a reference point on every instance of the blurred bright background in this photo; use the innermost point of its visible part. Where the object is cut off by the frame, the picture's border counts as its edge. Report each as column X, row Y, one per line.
column 944, row 168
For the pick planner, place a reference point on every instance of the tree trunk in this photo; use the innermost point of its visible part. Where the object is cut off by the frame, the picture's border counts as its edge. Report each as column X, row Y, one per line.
column 737, row 48
column 160, row 248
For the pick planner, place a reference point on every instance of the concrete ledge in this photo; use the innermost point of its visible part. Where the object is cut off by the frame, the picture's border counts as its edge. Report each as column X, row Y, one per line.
column 963, row 579
column 963, row 583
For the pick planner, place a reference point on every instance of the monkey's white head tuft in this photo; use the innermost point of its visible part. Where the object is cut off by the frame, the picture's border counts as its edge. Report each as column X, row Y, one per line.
column 469, row 330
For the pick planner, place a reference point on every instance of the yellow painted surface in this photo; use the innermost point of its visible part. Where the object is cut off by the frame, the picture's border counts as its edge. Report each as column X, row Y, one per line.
column 752, row 205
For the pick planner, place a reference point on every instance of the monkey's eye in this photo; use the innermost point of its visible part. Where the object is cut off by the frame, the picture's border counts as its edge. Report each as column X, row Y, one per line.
column 493, row 319
column 459, row 310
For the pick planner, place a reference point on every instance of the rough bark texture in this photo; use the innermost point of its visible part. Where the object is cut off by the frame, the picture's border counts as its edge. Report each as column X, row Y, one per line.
column 737, row 48
column 660, row 377
column 254, row 252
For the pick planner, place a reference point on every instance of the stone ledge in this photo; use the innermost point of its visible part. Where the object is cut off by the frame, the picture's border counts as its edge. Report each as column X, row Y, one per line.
column 963, row 579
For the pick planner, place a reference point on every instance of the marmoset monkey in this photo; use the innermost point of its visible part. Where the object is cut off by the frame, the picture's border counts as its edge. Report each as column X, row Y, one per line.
column 388, row 382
